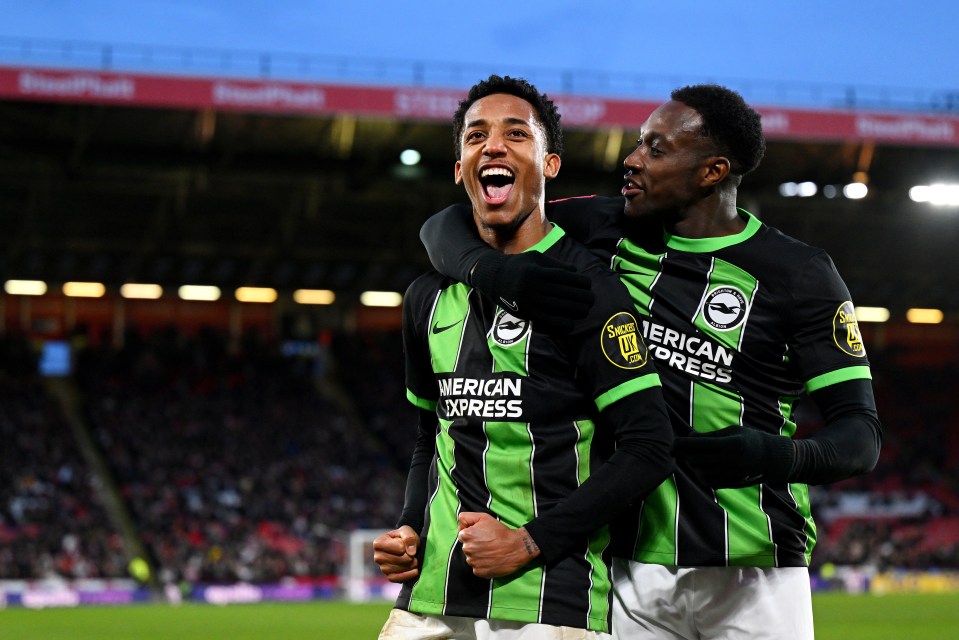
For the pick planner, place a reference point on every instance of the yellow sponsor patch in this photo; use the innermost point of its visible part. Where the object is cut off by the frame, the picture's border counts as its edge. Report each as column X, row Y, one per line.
column 622, row 342
column 845, row 331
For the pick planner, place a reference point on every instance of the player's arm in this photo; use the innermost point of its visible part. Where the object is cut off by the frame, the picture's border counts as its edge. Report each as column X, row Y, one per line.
column 640, row 463
column 395, row 552
column 452, row 242
column 532, row 285
column 417, row 480
column 849, row 443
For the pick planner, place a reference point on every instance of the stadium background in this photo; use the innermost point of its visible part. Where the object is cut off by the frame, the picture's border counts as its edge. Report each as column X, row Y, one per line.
column 226, row 443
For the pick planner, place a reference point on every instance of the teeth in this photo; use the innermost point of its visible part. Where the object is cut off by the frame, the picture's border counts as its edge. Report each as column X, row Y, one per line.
column 496, row 171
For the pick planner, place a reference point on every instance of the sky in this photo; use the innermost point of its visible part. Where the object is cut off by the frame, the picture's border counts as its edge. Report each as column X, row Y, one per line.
column 866, row 43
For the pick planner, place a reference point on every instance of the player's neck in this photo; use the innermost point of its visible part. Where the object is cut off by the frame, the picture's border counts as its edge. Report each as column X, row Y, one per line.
column 517, row 239
column 709, row 218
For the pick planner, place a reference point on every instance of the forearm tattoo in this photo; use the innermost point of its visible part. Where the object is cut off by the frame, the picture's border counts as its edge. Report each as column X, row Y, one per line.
column 531, row 547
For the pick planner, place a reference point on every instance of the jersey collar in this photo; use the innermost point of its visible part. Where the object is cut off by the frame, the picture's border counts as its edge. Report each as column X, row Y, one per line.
column 548, row 240
column 707, row 245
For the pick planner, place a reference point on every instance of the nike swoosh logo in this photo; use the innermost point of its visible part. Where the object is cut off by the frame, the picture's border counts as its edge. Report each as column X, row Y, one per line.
column 512, row 307
column 439, row 329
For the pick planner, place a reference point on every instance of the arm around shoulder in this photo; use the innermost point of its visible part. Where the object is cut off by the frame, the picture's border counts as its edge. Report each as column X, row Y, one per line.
column 530, row 285
column 452, row 243
column 640, row 463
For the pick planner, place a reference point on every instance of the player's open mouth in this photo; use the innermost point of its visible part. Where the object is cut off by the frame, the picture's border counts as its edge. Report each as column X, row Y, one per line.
column 497, row 183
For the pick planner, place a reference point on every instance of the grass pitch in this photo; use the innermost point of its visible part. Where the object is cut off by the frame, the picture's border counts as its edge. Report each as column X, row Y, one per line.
column 903, row 616
column 300, row 621
column 838, row 617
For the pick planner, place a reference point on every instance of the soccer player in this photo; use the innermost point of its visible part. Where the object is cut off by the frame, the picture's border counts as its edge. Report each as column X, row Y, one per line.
column 513, row 476
column 741, row 319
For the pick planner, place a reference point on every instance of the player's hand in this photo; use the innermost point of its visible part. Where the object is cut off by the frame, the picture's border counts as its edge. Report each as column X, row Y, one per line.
column 395, row 553
column 491, row 548
column 535, row 287
column 736, row 456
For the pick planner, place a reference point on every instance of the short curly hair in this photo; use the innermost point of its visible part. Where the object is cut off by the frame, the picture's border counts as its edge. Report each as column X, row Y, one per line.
column 546, row 111
column 729, row 122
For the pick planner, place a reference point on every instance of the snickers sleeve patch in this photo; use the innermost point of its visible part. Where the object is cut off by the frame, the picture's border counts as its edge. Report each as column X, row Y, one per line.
column 622, row 343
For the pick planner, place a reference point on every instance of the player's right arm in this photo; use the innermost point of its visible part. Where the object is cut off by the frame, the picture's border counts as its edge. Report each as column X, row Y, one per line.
column 396, row 551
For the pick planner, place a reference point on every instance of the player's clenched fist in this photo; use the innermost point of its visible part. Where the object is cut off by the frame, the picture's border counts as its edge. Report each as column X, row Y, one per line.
column 395, row 553
column 491, row 548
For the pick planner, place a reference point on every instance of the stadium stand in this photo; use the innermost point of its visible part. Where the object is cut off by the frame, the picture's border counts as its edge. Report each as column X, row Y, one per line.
column 234, row 465
column 904, row 515
column 52, row 519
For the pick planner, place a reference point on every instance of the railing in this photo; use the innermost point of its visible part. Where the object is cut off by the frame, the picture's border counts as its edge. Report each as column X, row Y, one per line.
column 399, row 72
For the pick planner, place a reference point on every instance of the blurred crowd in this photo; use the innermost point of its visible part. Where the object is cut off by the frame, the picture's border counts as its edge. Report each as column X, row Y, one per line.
column 52, row 522
column 249, row 461
column 905, row 514
column 236, row 464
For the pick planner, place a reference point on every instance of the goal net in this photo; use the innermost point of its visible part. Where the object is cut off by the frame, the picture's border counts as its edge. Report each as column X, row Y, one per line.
column 362, row 579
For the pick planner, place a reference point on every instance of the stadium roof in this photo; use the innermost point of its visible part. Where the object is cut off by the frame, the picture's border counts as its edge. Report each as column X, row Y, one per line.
column 94, row 188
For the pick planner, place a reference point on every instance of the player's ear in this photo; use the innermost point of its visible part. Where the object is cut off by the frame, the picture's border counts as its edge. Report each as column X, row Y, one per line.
column 458, row 172
column 715, row 170
column 551, row 166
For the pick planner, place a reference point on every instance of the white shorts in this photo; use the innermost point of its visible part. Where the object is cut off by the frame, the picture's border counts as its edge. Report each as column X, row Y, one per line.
column 403, row 625
column 653, row 602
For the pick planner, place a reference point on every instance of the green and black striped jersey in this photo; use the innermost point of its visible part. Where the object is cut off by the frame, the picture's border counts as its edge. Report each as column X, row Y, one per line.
column 739, row 327
column 517, row 434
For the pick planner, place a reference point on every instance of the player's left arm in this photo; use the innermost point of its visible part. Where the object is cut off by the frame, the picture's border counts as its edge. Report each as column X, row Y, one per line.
column 831, row 354
column 849, row 443
column 640, row 463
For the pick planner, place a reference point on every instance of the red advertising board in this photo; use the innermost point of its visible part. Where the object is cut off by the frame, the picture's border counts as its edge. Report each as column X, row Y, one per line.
column 432, row 104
